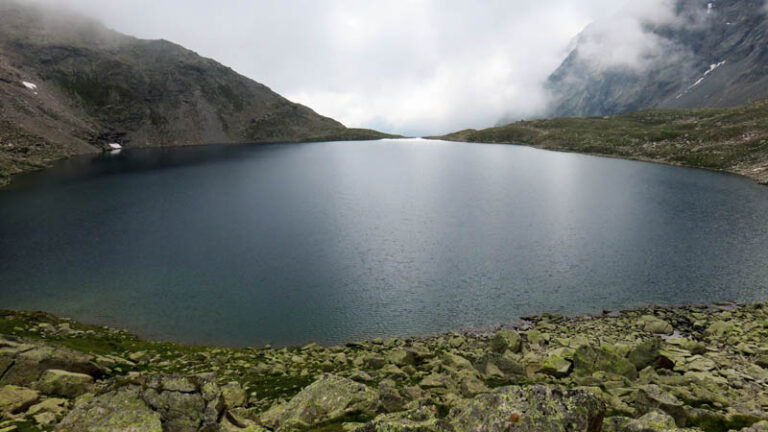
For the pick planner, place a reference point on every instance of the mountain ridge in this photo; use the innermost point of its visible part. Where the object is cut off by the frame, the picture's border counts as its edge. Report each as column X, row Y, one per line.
column 709, row 54
column 69, row 85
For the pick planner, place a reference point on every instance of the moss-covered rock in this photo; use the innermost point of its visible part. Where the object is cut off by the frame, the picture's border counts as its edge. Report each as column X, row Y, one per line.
column 327, row 399
column 64, row 383
column 529, row 409
column 118, row 411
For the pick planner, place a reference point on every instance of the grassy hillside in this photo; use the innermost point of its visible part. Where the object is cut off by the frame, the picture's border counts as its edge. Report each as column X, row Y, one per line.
column 728, row 139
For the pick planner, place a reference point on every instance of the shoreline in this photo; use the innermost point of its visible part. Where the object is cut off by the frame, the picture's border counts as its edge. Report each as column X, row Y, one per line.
column 702, row 367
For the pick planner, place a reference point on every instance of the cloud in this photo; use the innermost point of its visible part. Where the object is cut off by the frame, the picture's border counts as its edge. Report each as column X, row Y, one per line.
column 408, row 66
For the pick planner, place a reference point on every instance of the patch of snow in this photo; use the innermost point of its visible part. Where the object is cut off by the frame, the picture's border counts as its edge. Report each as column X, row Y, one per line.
column 29, row 85
column 711, row 69
column 709, row 8
column 114, row 146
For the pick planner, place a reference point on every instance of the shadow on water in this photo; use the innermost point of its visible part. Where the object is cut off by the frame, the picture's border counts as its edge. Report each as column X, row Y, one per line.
column 136, row 160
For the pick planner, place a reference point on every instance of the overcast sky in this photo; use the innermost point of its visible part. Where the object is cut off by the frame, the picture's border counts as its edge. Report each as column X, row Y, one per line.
column 407, row 66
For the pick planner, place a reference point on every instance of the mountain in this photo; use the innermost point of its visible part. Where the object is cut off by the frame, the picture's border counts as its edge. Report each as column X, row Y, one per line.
column 698, row 54
column 727, row 139
column 69, row 85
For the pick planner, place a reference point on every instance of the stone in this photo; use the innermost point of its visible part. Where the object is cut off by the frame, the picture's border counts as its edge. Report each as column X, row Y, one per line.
column 719, row 329
column 505, row 340
column 327, row 399
column 15, row 399
column 556, row 366
column 492, row 371
column 27, row 366
column 56, row 406
column 401, row 357
column 645, row 353
column 588, row 360
column 435, row 380
column 62, row 383
column 118, row 411
column 44, row 419
column 654, row 421
column 185, row 403
column 234, row 395
column 655, row 325
column 421, row 419
column 529, row 409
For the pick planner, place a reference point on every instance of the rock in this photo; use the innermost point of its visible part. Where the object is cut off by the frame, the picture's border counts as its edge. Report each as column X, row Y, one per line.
column 62, row 383
column 470, row 386
column 15, row 399
column 588, row 360
column 327, row 399
column 651, row 397
column 234, row 395
column 645, row 353
column 401, row 357
column 529, row 409
column 435, row 380
column 556, row 366
column 56, row 406
column 719, row 329
column 655, row 325
column 493, row 371
column 119, row 411
column 654, row 421
column 27, row 366
column 506, row 340
column 421, row 419
column 510, row 364
column 185, row 403
column 390, row 398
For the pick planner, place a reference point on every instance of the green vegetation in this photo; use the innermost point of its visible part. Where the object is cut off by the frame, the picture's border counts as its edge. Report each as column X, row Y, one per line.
column 701, row 368
column 726, row 139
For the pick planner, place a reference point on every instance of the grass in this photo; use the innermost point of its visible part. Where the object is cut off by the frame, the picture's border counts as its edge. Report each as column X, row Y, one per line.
column 726, row 139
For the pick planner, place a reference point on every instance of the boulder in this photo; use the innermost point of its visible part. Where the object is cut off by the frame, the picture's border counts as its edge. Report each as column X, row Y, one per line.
column 655, row 325
column 556, row 366
column 645, row 353
column 529, row 409
column 26, row 366
column 234, row 395
column 15, row 399
column 588, row 360
column 654, row 421
column 62, row 383
column 118, row 411
column 421, row 419
column 327, row 399
column 506, row 340
column 185, row 403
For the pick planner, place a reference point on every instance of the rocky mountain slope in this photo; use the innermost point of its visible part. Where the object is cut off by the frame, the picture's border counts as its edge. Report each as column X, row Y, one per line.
column 709, row 53
column 725, row 139
column 69, row 85
column 692, row 368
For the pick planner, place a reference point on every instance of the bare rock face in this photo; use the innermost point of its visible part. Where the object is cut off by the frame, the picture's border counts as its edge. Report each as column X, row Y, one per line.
column 715, row 55
column 530, row 409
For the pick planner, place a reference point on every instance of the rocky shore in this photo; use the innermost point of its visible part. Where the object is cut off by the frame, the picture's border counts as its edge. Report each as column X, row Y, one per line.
column 655, row 369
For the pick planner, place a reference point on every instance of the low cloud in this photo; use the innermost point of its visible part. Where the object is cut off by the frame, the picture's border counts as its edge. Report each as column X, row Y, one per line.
column 407, row 66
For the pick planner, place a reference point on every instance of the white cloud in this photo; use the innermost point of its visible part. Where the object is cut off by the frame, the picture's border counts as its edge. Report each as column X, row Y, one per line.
column 407, row 66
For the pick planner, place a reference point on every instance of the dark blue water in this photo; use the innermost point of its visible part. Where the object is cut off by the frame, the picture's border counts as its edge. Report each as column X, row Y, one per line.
column 342, row 241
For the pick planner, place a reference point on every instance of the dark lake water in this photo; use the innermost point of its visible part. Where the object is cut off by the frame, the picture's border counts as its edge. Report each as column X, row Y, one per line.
column 342, row 241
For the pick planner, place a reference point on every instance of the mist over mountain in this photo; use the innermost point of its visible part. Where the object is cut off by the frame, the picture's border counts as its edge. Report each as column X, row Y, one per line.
column 666, row 54
column 69, row 85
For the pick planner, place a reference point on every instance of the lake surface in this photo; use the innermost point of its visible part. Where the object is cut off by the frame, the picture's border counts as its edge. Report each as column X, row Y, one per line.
column 343, row 241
